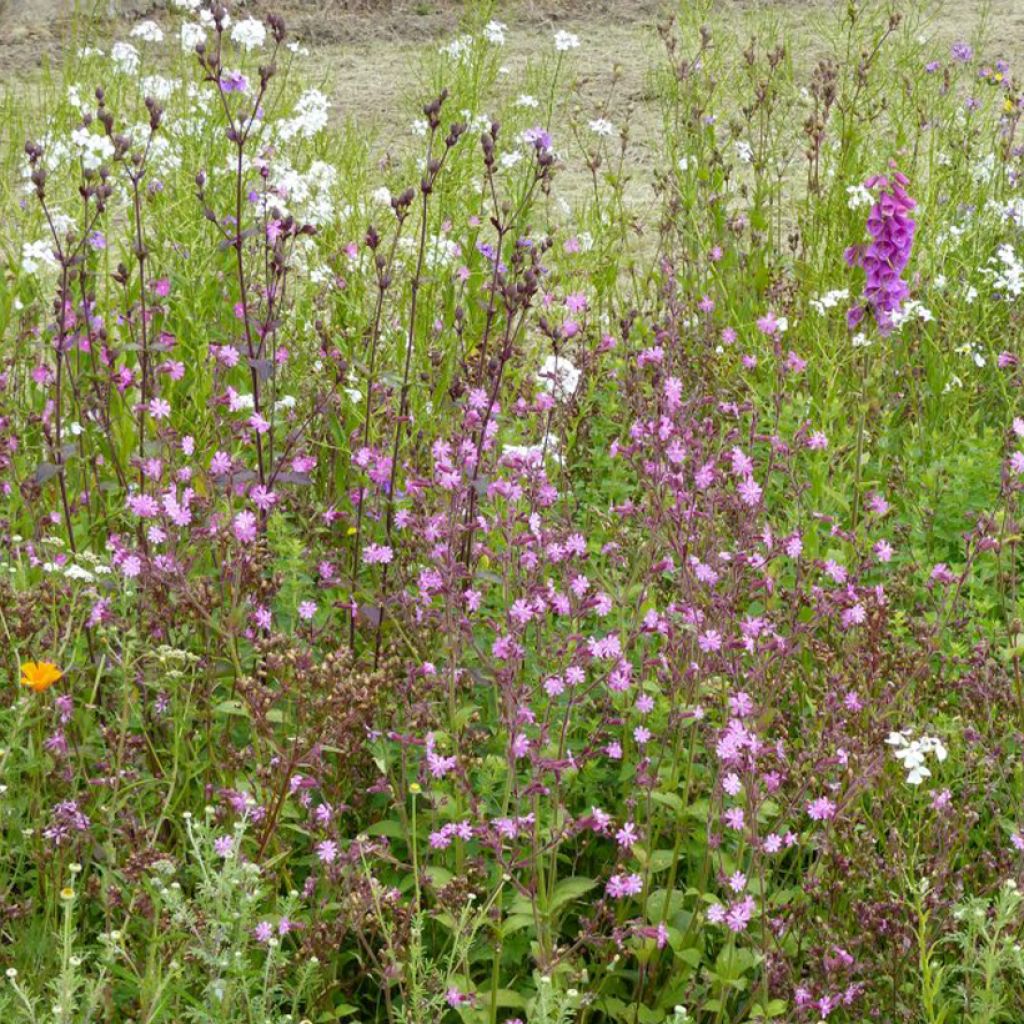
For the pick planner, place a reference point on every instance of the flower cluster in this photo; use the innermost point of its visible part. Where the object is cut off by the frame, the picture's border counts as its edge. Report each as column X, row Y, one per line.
column 884, row 259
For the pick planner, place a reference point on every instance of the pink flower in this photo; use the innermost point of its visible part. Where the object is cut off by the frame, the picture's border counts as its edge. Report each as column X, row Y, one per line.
column 740, row 914
column 159, row 408
column 327, row 851
column 749, row 491
column 374, row 554
column 626, row 836
column 822, row 809
column 710, row 641
column 620, row 886
column 244, row 527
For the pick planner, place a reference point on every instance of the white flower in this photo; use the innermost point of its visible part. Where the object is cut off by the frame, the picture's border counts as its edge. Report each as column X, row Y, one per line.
column 207, row 19
column 297, row 48
column 457, row 48
column 309, row 117
column 419, row 127
column 914, row 753
column 911, row 310
column 829, row 300
column 381, row 196
column 858, row 196
column 686, row 162
column 744, row 152
column 93, row 149
column 494, row 32
column 36, row 254
column 558, row 377
column 90, row 51
column 1005, row 271
column 124, row 57
column 510, row 159
column 186, row 5
column 983, row 170
column 158, row 87
column 532, row 454
column 76, row 572
column 566, row 41
column 602, row 126
column 191, row 35
column 148, row 32
column 249, row 33
column 526, row 100
column 75, row 98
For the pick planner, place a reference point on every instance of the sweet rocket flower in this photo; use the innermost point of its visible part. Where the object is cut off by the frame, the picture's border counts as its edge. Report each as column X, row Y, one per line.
column 884, row 259
column 961, row 52
column 233, row 81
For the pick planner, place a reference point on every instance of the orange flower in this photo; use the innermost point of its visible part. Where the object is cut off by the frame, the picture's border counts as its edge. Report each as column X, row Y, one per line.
column 40, row 675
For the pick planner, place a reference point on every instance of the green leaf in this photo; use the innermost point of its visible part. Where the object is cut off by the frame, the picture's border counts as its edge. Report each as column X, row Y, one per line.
column 569, row 889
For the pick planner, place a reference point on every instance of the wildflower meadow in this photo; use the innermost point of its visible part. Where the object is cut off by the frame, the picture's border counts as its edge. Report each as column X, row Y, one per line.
column 513, row 561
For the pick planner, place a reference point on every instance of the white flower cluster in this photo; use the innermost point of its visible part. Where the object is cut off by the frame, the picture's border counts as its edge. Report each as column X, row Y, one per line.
column 158, row 87
column 494, row 32
column 309, row 117
column 858, row 196
column 191, row 36
column 1005, row 272
column 307, row 195
column 566, row 41
column 913, row 753
column 558, row 377
column 93, row 149
column 125, row 57
column 829, row 300
column 249, row 34
column 148, row 32
column 458, row 48
column 37, row 254
column 911, row 310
